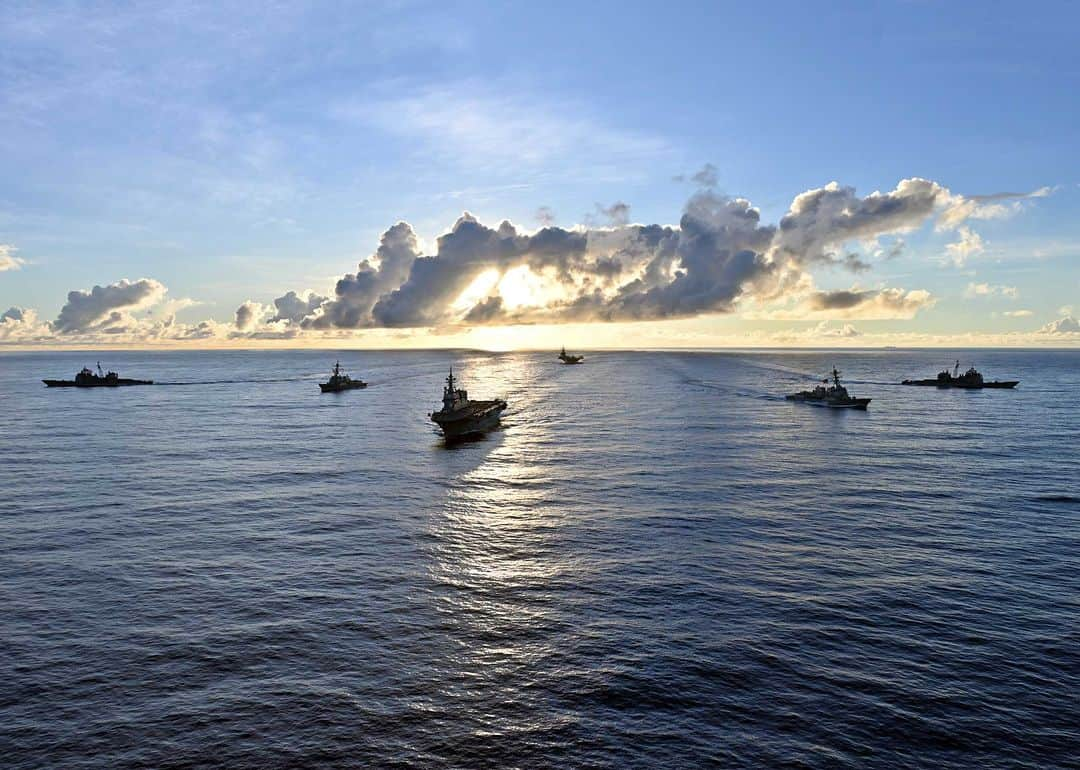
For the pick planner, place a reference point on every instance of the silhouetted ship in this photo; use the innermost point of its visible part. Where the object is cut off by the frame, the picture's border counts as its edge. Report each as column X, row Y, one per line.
column 971, row 380
column 87, row 378
column 460, row 417
column 834, row 396
column 339, row 381
column 570, row 359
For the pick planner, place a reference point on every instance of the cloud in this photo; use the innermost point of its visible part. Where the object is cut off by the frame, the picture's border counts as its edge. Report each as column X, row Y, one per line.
column 707, row 177
column 485, row 310
column 1018, row 313
column 719, row 258
column 1061, row 327
column 871, row 304
column 845, row 331
column 820, row 219
column 719, row 254
column 356, row 294
column 104, row 307
column 993, row 206
column 107, row 315
column 8, row 261
column 20, row 324
column 248, row 315
column 855, row 263
column 296, row 307
column 975, row 290
column 473, row 124
column 970, row 243
column 615, row 215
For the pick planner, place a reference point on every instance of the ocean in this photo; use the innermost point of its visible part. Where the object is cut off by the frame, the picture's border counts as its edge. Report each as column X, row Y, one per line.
column 656, row 561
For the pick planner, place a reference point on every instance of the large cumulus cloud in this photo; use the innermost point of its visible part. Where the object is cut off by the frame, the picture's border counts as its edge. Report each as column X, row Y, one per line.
column 357, row 293
column 720, row 257
column 719, row 254
column 106, row 308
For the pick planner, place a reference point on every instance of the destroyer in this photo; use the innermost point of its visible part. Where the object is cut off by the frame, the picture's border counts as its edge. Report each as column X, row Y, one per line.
column 834, row 396
column 570, row 359
column 460, row 417
column 339, row 382
column 971, row 380
column 87, row 378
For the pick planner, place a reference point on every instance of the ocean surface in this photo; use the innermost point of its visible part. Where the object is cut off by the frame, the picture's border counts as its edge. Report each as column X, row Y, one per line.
column 655, row 562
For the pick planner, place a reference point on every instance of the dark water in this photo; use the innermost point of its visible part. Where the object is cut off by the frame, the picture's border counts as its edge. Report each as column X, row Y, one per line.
column 656, row 562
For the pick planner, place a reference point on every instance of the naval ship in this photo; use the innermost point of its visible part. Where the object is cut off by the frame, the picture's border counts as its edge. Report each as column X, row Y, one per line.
column 87, row 378
column 971, row 379
column 339, row 382
column 460, row 417
column 834, row 396
column 570, row 359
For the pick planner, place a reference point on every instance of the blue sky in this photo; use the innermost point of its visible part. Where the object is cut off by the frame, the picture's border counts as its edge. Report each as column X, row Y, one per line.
column 236, row 151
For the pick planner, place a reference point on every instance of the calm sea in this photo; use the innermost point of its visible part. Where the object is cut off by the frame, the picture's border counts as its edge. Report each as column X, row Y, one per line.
column 656, row 562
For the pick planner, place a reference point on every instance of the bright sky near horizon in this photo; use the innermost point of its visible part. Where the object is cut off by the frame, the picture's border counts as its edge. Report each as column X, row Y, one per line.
column 696, row 174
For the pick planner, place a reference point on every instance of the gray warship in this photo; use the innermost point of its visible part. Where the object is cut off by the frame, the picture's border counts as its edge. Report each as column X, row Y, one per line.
column 970, row 380
column 834, row 396
column 460, row 417
column 87, row 378
column 339, row 382
column 567, row 359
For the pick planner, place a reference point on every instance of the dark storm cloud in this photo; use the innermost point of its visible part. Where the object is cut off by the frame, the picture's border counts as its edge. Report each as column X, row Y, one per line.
column 98, row 307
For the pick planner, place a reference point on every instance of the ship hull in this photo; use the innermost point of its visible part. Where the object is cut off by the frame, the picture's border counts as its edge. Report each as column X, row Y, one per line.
column 325, row 388
column 454, row 428
column 113, row 384
column 851, row 403
column 962, row 386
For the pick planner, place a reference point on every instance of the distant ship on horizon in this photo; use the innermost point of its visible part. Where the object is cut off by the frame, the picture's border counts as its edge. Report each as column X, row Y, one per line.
column 971, row 380
column 568, row 359
column 87, row 378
